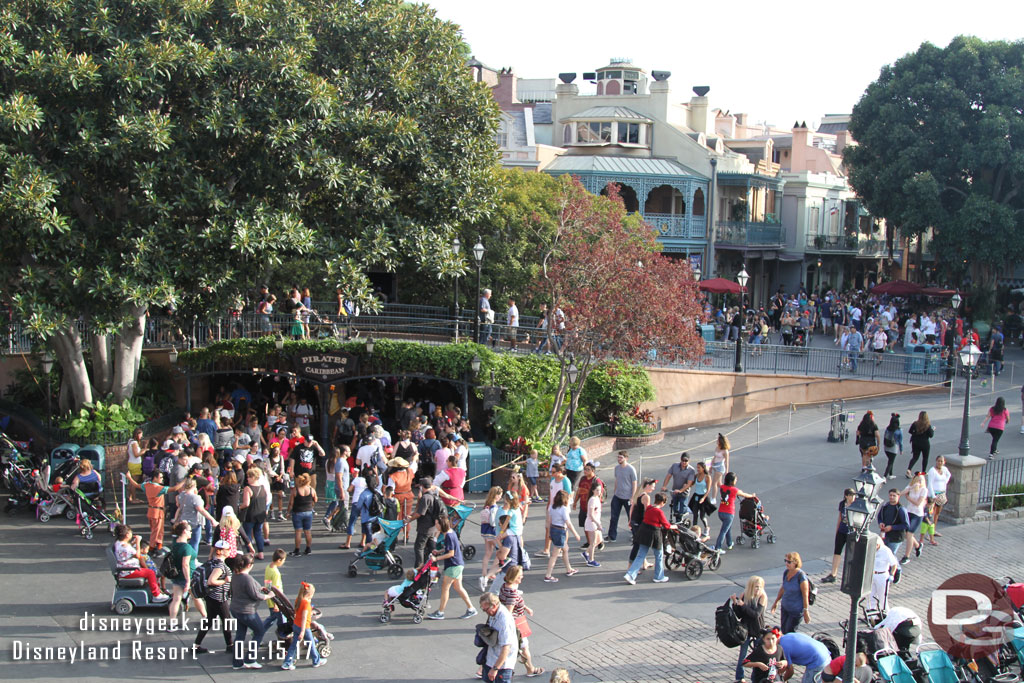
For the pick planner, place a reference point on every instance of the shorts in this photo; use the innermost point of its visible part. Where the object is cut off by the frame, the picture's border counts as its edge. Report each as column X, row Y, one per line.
column 718, row 467
column 840, row 543
column 453, row 572
column 558, row 536
column 927, row 528
column 915, row 523
column 532, row 481
column 302, row 520
column 135, row 470
column 330, row 492
column 488, row 532
column 278, row 486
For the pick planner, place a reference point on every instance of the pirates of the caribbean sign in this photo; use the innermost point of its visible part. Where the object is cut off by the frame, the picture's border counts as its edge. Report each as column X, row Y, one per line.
column 325, row 367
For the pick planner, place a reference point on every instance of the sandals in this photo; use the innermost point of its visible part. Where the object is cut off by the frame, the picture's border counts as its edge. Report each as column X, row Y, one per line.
column 536, row 672
column 344, row 547
column 572, row 572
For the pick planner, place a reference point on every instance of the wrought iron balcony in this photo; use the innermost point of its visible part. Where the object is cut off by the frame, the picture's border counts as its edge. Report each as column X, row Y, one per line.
column 841, row 243
column 749, row 234
column 677, row 225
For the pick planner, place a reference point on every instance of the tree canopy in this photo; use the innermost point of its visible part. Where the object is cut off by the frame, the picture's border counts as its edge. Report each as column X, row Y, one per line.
column 156, row 151
column 941, row 145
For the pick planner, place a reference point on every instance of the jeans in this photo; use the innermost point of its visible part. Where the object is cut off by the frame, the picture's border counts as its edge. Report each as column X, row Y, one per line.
column 613, row 524
column 812, row 674
column 330, row 509
column 272, row 621
column 641, row 555
column 503, row 675
column 255, row 533
column 726, row 519
column 744, row 649
column 208, row 531
column 245, row 623
column 197, row 535
column 853, row 356
column 789, row 621
column 304, row 634
column 894, row 547
column 679, row 505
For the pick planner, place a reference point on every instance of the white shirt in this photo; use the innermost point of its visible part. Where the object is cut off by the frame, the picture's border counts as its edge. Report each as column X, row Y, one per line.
column 915, row 507
column 358, row 486
column 884, row 559
column 462, row 453
column 302, row 414
column 937, row 481
column 512, row 316
column 364, row 456
column 896, row 616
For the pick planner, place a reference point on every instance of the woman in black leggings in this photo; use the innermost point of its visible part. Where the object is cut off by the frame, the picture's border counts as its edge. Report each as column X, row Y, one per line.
column 921, row 432
column 216, row 598
column 636, row 515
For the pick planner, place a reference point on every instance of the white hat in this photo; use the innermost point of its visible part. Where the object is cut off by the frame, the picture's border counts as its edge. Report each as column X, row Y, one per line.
column 239, row 458
column 222, row 544
column 228, row 511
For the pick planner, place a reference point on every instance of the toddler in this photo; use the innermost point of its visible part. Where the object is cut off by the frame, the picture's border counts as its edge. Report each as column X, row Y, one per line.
column 394, row 591
column 928, row 524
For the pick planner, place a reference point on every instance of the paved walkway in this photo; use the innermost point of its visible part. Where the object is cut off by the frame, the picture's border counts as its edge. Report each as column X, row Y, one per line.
column 594, row 623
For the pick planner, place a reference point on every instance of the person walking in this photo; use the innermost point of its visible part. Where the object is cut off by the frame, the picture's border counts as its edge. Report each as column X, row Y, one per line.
column 560, row 524
column 916, row 495
column 867, row 439
column 453, row 566
column 559, row 482
column 649, row 538
column 682, row 477
column 700, row 507
column 623, row 493
column 246, row 595
column 794, row 595
column 500, row 660
column 727, row 509
column 428, row 510
column 511, row 596
column 749, row 607
column 592, row 523
column 921, row 433
column 854, row 346
column 719, row 465
column 216, row 599
column 636, row 517
column 842, row 532
column 996, row 420
column 884, row 571
column 893, row 521
column 892, row 441
column 575, row 458
column 938, row 480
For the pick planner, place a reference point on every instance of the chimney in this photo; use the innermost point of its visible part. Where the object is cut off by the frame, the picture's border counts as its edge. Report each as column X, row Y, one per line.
column 843, row 139
column 505, row 91
column 698, row 114
column 799, row 152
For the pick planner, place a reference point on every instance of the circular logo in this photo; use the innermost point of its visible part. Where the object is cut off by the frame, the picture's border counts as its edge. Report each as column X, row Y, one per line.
column 970, row 616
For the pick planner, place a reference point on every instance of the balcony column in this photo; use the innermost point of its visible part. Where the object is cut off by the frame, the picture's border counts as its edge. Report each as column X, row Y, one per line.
column 778, row 206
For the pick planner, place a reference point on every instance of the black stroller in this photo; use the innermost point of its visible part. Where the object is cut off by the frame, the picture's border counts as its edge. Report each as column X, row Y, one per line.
column 754, row 523
column 287, row 615
column 684, row 549
column 92, row 514
column 414, row 596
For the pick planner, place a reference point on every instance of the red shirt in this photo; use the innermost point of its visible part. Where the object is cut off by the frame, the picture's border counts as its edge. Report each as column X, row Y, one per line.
column 655, row 517
column 728, row 505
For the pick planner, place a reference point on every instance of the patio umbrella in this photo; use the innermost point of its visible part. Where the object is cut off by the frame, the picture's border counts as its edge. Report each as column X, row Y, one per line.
column 939, row 292
column 720, row 285
column 897, row 288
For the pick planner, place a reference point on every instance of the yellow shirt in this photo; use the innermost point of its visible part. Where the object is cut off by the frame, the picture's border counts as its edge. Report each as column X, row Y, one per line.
column 273, row 575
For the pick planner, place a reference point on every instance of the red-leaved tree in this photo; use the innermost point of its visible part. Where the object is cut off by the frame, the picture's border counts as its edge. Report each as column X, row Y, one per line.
column 621, row 298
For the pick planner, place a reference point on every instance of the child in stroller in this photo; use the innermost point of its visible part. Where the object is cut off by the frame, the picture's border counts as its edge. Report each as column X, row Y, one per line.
column 754, row 523
column 412, row 593
column 683, row 548
column 378, row 554
column 457, row 515
column 91, row 516
column 61, row 501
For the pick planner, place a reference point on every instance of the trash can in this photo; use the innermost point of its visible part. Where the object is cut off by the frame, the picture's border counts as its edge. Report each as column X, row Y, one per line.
column 479, row 462
column 61, row 454
column 707, row 332
column 95, row 453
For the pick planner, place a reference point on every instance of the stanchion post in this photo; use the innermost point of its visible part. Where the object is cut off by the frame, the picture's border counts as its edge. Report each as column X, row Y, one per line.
column 757, row 443
column 790, row 427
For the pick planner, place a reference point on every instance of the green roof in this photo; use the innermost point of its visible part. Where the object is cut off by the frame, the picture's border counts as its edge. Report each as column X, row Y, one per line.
column 573, row 163
column 618, row 113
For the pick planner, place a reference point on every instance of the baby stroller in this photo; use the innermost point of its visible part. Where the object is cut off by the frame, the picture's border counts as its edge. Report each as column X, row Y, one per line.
column 378, row 556
column 23, row 485
column 323, row 328
column 90, row 515
column 458, row 514
column 61, row 502
column 414, row 596
column 799, row 337
column 684, row 549
column 284, row 624
column 754, row 523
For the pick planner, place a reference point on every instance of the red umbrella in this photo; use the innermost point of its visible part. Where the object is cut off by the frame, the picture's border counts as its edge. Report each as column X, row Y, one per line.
column 939, row 292
column 720, row 285
column 897, row 288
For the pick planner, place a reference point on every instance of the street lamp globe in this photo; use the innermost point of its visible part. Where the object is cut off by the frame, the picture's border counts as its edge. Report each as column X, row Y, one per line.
column 478, row 251
column 456, row 245
column 858, row 513
column 956, row 301
column 47, row 362
column 696, row 273
column 969, row 355
column 572, row 373
column 369, row 345
column 819, row 263
column 867, row 483
column 172, row 356
column 279, row 342
column 475, row 364
column 742, row 276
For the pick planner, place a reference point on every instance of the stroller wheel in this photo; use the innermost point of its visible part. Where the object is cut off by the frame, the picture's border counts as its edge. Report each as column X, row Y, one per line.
column 673, row 561
column 352, row 571
column 715, row 562
column 756, row 543
column 417, row 618
column 469, row 551
column 88, row 534
column 740, row 540
column 395, row 570
column 771, row 538
column 323, row 648
column 385, row 617
column 44, row 517
column 70, row 514
column 694, row 568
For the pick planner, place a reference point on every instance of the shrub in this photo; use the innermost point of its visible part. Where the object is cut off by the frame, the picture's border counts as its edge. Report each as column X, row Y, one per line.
column 1010, row 501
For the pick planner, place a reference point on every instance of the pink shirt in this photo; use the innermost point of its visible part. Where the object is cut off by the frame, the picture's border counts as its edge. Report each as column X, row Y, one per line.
column 998, row 421
column 441, row 459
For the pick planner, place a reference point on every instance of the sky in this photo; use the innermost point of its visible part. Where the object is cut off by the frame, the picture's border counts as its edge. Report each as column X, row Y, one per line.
column 775, row 61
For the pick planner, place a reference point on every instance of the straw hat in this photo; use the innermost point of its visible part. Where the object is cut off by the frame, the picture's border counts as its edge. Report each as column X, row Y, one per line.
column 398, row 462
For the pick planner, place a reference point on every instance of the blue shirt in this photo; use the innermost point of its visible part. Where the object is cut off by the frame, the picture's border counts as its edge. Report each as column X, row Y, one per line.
column 803, row 650
column 792, row 597
column 206, row 426
column 451, row 542
column 363, row 505
column 574, row 459
column 515, row 522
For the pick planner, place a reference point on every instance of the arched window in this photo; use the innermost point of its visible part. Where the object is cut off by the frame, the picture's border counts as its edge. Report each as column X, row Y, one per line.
column 628, row 195
column 567, row 134
column 698, row 202
column 613, row 88
column 600, row 88
column 665, row 199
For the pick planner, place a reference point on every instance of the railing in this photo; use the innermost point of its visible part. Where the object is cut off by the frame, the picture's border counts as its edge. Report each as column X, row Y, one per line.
column 996, row 474
column 746, row 233
column 678, row 225
column 871, row 247
column 832, row 242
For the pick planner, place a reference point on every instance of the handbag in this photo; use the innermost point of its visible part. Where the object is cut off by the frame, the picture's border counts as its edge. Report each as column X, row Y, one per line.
column 523, row 626
column 871, row 451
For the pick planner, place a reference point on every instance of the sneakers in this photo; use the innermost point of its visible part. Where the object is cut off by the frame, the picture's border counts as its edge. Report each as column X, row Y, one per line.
column 828, row 579
column 600, row 546
column 483, row 584
column 904, row 560
column 585, row 545
column 288, row 666
column 295, row 553
column 327, row 523
column 308, row 551
column 436, row 615
column 201, row 650
column 550, row 579
column 593, row 563
column 917, row 551
column 661, row 580
column 320, row 663
column 255, row 665
column 161, row 597
column 471, row 612
column 629, row 579
column 585, row 556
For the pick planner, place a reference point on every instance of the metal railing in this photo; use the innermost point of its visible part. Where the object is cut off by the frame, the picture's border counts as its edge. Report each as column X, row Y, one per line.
column 748, row 233
column 996, row 474
column 832, row 242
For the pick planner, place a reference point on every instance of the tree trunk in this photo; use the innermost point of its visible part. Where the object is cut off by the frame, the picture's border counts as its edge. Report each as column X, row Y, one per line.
column 64, row 396
column 67, row 342
column 102, row 371
column 128, row 355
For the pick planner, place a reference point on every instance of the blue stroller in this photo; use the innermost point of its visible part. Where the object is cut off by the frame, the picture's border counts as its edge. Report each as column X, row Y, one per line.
column 379, row 555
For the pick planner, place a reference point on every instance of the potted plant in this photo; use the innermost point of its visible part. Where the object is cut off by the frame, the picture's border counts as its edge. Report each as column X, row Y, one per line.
column 819, row 241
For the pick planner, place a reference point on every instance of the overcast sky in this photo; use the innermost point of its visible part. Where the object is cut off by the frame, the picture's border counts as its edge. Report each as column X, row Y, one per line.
column 777, row 61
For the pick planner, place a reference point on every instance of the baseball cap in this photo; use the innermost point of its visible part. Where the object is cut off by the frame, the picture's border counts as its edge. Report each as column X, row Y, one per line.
column 228, row 511
column 176, row 429
column 175, row 446
column 222, row 544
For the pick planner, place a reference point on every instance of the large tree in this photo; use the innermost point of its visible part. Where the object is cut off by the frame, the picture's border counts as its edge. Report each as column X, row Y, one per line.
column 157, row 151
column 941, row 145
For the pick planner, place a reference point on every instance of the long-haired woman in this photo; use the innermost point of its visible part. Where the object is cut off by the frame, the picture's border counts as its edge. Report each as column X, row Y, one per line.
column 921, row 432
column 996, row 420
column 749, row 607
column 699, row 506
column 719, row 465
column 867, row 439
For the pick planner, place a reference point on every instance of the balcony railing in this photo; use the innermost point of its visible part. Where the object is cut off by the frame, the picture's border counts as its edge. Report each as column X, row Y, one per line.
column 678, row 225
column 746, row 233
column 844, row 243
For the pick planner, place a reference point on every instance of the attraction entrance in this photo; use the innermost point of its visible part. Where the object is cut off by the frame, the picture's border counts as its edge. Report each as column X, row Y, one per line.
column 327, row 373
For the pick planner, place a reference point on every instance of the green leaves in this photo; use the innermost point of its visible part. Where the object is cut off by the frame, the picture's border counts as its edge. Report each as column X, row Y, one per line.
column 97, row 417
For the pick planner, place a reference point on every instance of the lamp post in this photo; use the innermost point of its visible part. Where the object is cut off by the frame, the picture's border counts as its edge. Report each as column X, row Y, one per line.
column 741, row 278
column 818, row 272
column 279, row 343
column 696, row 273
column 456, row 246
column 573, row 374
column 47, row 363
column 859, row 556
column 969, row 356
column 478, row 256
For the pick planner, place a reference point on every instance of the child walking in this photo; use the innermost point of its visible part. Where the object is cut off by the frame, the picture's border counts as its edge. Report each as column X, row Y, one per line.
column 272, row 576
column 301, row 628
column 928, row 523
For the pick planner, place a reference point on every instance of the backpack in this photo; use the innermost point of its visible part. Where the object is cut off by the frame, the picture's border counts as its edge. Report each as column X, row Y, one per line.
column 485, row 515
column 201, row 578
column 166, row 463
column 889, row 439
column 376, row 507
column 729, row 629
column 148, row 462
column 169, row 569
column 812, row 590
column 829, row 643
